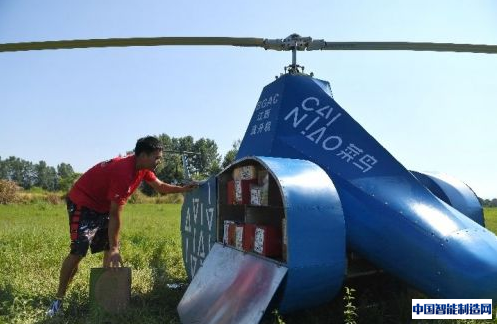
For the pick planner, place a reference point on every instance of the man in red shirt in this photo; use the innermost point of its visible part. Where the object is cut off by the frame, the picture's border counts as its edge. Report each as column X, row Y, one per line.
column 95, row 203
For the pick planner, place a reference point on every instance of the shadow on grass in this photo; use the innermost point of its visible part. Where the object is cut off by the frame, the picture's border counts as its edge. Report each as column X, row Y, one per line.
column 162, row 299
column 7, row 298
column 378, row 299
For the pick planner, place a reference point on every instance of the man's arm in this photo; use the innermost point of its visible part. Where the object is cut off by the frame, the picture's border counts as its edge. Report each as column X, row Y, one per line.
column 114, row 258
column 166, row 188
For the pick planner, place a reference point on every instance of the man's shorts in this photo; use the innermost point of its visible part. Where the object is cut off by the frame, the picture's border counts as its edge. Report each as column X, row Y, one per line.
column 88, row 228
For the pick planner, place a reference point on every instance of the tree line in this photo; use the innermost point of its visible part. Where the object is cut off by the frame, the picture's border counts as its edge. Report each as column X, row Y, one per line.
column 27, row 174
column 203, row 159
column 488, row 202
column 204, row 162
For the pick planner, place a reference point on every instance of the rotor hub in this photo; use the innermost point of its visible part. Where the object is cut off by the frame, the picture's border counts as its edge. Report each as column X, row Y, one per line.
column 295, row 43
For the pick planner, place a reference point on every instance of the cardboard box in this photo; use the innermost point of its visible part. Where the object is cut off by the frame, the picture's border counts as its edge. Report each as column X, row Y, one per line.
column 248, row 237
column 267, row 241
column 242, row 191
column 247, row 172
column 263, row 181
column 232, row 234
column 110, row 289
column 239, row 236
column 230, row 194
column 255, row 195
column 263, row 178
column 226, row 226
column 258, row 195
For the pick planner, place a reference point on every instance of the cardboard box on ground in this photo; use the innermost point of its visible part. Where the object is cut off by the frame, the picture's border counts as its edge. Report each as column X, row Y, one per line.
column 110, row 289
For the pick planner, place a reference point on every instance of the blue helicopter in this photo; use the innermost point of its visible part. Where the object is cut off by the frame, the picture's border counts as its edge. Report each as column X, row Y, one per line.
column 309, row 194
column 334, row 196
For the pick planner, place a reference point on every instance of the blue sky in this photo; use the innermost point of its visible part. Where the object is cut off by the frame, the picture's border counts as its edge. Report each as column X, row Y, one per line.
column 432, row 111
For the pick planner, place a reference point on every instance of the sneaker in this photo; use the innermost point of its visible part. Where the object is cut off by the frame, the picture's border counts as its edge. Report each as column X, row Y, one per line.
column 55, row 308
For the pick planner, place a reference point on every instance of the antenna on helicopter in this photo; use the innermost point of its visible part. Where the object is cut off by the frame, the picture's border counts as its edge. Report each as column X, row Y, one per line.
column 186, row 172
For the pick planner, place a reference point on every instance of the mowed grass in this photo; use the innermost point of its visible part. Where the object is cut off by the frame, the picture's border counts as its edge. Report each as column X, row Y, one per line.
column 34, row 240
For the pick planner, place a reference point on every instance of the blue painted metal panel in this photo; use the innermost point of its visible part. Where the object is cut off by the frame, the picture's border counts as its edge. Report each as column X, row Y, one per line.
column 453, row 192
column 316, row 258
column 391, row 219
column 198, row 225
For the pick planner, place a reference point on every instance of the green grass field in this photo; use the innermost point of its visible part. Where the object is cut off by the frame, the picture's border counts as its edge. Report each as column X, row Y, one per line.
column 491, row 219
column 34, row 240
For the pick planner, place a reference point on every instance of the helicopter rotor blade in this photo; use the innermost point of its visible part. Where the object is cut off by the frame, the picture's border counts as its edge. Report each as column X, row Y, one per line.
column 294, row 42
column 137, row 41
column 402, row 46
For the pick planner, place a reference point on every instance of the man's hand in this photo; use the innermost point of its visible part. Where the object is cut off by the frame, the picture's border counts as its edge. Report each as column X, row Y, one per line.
column 190, row 186
column 166, row 188
column 112, row 258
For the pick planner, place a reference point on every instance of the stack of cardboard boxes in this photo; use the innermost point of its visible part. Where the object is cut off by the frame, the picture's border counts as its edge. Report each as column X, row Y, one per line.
column 262, row 239
column 250, row 186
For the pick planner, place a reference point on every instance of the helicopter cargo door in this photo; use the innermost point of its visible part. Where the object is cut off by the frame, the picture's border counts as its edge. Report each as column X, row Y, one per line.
column 230, row 287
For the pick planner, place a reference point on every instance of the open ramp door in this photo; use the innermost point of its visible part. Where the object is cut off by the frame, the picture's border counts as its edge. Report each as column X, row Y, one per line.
column 230, row 287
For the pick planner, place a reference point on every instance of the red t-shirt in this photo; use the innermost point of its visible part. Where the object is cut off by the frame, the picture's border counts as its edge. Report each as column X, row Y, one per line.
column 113, row 180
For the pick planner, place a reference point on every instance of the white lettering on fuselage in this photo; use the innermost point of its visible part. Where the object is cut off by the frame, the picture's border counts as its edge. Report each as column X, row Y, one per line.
column 260, row 123
column 195, row 233
column 307, row 112
column 315, row 122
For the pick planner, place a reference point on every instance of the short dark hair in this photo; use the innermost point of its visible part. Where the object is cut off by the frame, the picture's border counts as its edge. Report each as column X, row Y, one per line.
column 148, row 144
